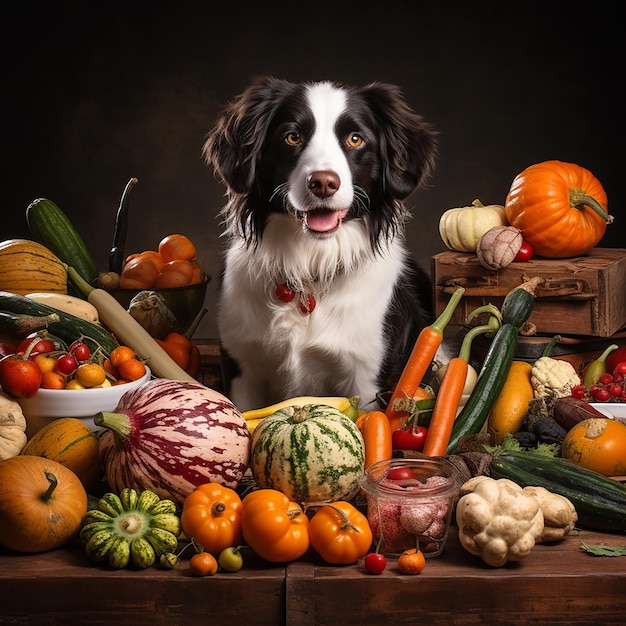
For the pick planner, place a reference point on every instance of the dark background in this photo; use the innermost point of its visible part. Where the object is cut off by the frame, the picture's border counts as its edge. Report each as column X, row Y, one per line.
column 97, row 92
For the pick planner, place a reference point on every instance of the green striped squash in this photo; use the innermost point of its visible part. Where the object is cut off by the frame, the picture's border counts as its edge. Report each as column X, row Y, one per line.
column 311, row 453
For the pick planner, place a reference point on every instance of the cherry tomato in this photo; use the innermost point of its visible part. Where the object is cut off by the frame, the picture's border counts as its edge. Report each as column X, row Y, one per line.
column 203, row 564
column 619, row 369
column 19, row 377
column 602, row 395
column 411, row 437
column 525, row 253
column 66, row 364
column 615, row 390
column 578, row 391
column 80, row 351
column 400, row 473
column 375, row 563
column 411, row 561
column 605, row 379
column 43, row 345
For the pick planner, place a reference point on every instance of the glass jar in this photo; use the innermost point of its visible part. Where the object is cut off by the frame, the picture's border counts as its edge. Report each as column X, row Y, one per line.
column 410, row 502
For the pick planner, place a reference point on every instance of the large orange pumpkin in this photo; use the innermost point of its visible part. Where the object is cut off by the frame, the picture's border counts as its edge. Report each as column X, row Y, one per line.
column 42, row 504
column 561, row 208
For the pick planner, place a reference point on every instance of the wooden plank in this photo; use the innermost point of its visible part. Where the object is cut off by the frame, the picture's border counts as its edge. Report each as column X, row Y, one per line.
column 299, row 594
column 556, row 584
column 64, row 587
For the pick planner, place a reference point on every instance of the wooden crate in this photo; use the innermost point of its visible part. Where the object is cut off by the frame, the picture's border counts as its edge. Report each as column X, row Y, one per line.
column 584, row 295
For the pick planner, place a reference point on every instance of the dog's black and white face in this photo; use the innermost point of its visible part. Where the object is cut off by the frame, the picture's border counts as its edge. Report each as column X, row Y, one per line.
column 316, row 175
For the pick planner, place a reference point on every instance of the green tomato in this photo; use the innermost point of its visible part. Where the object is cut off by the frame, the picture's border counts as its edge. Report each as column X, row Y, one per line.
column 230, row 559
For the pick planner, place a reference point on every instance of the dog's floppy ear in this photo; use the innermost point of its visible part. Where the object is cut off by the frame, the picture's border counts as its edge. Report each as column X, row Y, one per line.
column 408, row 146
column 234, row 145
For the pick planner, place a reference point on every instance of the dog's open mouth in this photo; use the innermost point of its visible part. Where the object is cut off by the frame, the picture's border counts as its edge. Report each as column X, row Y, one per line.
column 322, row 220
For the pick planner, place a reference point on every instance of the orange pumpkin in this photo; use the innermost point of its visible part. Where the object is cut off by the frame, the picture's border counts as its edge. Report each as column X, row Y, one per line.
column 561, row 208
column 599, row 444
column 42, row 504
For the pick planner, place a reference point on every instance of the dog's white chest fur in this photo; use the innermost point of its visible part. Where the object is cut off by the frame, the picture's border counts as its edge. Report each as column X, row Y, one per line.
column 335, row 350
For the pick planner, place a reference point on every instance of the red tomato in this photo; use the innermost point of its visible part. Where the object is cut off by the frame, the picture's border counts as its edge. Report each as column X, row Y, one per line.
column 614, row 358
column 525, row 253
column 19, row 377
column 7, row 348
column 43, row 345
column 400, row 473
column 411, row 437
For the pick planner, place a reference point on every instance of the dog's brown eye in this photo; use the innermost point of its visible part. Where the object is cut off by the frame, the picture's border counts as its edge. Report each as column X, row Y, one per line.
column 293, row 138
column 354, row 140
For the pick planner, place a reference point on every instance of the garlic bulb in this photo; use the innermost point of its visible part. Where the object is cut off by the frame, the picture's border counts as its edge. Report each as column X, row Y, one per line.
column 498, row 246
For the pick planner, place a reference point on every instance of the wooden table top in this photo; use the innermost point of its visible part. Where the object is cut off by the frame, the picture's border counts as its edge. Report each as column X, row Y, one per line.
column 556, row 584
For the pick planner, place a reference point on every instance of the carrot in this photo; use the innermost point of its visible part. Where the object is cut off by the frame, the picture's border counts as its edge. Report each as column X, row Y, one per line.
column 446, row 404
column 376, row 431
column 422, row 355
column 450, row 392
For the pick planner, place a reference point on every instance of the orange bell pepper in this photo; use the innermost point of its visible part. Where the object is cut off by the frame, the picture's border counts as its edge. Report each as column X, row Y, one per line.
column 183, row 352
column 340, row 533
column 211, row 515
column 276, row 528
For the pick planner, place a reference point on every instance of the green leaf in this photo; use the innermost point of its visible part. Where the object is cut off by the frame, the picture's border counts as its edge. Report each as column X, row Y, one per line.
column 600, row 550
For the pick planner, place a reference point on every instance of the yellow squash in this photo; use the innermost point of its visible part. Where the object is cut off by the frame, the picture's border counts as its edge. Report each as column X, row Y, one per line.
column 345, row 405
column 511, row 406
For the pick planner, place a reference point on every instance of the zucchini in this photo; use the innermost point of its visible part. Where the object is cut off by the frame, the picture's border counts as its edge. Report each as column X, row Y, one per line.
column 50, row 226
column 519, row 302
column 69, row 328
column 20, row 324
column 600, row 502
column 516, row 309
column 490, row 382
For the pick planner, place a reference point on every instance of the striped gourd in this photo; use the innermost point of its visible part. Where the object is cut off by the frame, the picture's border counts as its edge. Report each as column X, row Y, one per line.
column 170, row 436
column 70, row 442
column 311, row 453
column 27, row 266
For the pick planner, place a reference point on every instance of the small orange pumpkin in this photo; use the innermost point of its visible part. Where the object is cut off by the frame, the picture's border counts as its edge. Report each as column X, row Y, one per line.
column 599, row 444
column 42, row 504
column 561, row 208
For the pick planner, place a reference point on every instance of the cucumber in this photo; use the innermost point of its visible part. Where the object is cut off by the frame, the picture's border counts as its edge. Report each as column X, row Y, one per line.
column 69, row 328
column 488, row 386
column 600, row 502
column 516, row 309
column 51, row 227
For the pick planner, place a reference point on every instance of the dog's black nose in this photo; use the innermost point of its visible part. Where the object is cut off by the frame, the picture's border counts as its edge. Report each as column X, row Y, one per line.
column 323, row 183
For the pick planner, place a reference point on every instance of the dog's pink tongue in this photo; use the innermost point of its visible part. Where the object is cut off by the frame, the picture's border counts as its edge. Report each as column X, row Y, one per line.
column 324, row 221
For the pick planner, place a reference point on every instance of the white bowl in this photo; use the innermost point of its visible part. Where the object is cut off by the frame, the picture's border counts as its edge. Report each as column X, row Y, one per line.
column 50, row 404
column 616, row 410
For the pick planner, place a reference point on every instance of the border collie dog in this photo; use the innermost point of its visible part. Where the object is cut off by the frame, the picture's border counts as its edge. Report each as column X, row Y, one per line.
column 319, row 294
